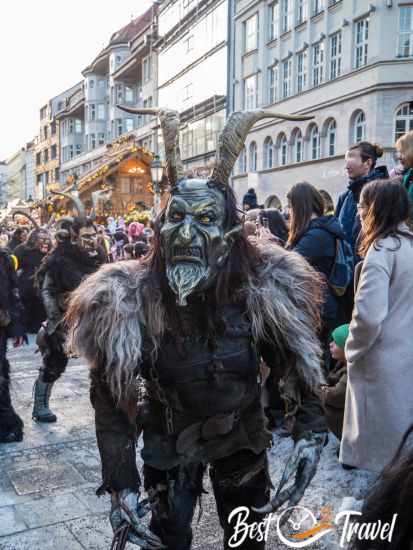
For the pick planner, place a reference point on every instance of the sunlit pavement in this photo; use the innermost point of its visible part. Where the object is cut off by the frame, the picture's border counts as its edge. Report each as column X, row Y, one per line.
column 48, row 482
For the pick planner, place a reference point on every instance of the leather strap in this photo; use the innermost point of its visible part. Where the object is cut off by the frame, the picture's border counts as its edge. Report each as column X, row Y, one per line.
column 120, row 536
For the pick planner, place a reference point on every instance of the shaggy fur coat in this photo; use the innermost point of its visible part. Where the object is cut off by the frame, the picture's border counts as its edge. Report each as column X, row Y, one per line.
column 110, row 309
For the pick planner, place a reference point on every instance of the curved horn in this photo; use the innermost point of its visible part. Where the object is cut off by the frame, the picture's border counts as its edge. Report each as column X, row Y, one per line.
column 232, row 139
column 76, row 201
column 21, row 213
column 170, row 122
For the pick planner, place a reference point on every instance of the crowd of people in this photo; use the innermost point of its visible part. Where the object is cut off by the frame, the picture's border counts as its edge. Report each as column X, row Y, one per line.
column 363, row 251
column 360, row 251
column 41, row 266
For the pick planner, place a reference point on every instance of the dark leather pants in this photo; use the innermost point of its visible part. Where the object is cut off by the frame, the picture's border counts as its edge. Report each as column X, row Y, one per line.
column 177, row 491
column 9, row 420
column 54, row 358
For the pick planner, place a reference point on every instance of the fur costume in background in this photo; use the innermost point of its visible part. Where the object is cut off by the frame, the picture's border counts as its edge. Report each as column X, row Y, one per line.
column 11, row 325
column 182, row 335
column 61, row 271
column 30, row 255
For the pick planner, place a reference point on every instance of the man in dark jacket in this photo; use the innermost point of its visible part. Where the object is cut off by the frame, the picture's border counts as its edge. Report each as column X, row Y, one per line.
column 361, row 168
column 11, row 425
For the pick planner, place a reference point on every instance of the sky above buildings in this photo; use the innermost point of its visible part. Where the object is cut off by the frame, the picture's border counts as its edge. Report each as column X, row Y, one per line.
column 44, row 46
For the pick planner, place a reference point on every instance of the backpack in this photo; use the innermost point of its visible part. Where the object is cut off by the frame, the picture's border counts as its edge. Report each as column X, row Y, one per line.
column 342, row 272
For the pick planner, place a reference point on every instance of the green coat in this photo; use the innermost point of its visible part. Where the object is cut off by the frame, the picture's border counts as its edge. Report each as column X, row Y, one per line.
column 408, row 183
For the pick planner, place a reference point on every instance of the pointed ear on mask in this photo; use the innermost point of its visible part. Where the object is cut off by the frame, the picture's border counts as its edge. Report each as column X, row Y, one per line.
column 227, row 243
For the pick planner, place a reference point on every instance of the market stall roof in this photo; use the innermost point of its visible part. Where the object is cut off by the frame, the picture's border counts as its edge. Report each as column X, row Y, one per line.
column 117, row 152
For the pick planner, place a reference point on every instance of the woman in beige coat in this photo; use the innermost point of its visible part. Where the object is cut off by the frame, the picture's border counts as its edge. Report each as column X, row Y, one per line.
column 379, row 350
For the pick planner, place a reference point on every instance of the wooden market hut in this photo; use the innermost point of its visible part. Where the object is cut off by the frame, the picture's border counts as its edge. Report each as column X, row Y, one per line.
column 126, row 169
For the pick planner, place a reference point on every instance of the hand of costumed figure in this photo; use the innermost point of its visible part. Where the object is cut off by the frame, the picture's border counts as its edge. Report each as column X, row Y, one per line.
column 302, row 464
column 126, row 520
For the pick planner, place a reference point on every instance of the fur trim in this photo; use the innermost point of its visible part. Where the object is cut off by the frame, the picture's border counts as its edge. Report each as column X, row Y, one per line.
column 104, row 321
column 284, row 304
column 109, row 309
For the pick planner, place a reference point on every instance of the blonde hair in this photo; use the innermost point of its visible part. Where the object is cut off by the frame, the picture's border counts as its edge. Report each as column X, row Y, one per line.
column 405, row 145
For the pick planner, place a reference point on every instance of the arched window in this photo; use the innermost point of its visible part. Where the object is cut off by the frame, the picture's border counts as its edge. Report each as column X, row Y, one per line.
column 359, row 127
column 404, row 120
column 315, row 143
column 242, row 162
column 282, row 146
column 331, row 138
column 253, row 157
column 268, row 153
column 298, row 151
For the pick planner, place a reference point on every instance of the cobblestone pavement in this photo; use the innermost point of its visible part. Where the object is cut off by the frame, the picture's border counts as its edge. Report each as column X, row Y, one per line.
column 48, row 482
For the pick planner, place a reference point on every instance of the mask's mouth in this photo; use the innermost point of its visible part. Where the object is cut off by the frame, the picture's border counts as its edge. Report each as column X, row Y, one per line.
column 187, row 254
column 88, row 242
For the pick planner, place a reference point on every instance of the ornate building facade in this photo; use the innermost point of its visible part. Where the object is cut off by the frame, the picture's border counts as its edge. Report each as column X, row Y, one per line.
column 346, row 63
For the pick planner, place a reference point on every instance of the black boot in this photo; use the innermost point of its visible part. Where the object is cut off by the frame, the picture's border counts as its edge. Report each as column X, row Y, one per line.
column 11, row 425
column 11, row 436
column 41, row 411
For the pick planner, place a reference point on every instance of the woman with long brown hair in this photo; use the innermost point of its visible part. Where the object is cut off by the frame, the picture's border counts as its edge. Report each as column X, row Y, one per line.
column 314, row 236
column 379, row 350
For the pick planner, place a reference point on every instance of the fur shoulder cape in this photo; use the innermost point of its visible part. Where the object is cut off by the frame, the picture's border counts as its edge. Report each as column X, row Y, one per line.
column 107, row 314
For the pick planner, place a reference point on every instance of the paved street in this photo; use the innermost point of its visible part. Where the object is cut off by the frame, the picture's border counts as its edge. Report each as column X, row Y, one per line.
column 48, row 482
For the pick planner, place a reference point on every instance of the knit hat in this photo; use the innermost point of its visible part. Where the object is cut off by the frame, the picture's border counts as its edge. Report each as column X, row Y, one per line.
column 340, row 335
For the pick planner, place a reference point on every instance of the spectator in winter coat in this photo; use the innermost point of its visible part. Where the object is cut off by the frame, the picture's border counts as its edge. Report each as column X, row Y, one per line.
column 135, row 230
column 249, row 202
column 379, row 351
column 314, row 235
column 404, row 146
column 360, row 163
column 272, row 221
column 391, row 496
column 328, row 202
column 333, row 394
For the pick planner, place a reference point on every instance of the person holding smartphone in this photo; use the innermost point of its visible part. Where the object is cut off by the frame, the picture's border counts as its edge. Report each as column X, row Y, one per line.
column 271, row 224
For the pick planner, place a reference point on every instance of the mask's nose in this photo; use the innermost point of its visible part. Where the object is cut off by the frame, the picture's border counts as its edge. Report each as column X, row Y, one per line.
column 185, row 231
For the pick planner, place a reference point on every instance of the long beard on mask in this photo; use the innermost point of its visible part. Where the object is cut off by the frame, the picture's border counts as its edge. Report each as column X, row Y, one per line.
column 184, row 278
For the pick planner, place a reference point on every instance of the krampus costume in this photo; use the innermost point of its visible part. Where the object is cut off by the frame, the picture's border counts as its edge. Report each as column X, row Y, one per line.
column 182, row 335
column 30, row 255
column 11, row 425
column 74, row 257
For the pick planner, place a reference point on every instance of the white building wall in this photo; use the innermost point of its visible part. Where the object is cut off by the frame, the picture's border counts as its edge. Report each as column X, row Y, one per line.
column 194, row 43
column 30, row 184
column 3, row 183
column 205, row 80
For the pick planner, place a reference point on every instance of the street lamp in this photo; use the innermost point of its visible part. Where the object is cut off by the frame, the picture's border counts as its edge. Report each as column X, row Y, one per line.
column 75, row 190
column 157, row 175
